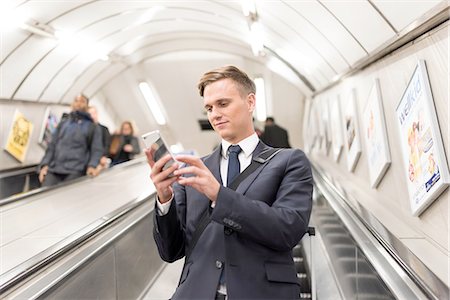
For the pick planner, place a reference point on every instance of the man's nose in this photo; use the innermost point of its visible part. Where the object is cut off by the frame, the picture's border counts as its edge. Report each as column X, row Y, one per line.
column 215, row 114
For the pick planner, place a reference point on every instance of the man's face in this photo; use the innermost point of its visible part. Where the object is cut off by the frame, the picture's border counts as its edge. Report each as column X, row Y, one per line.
column 229, row 112
column 79, row 103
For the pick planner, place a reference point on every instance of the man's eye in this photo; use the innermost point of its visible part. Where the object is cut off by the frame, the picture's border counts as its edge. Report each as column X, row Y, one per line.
column 209, row 109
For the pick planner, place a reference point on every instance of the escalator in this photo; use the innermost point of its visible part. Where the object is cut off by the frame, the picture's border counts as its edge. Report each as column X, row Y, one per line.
column 114, row 256
column 18, row 180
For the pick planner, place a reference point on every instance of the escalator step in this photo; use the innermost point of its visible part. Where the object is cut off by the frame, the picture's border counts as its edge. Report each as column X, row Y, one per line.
column 300, row 267
column 303, row 280
column 305, row 296
column 297, row 252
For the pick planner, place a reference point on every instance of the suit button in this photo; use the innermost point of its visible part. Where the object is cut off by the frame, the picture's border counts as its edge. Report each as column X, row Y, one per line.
column 218, row 264
column 228, row 231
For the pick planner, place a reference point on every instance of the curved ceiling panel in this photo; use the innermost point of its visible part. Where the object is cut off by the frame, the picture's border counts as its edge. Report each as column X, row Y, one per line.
column 316, row 40
column 363, row 21
column 286, row 20
column 308, row 60
column 401, row 15
column 53, row 64
column 88, row 76
column 21, row 62
column 330, row 27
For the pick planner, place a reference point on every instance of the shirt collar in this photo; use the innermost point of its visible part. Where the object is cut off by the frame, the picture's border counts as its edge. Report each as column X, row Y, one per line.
column 247, row 145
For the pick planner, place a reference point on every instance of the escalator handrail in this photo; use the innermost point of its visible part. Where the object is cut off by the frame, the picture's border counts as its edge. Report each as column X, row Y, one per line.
column 50, row 255
column 434, row 288
column 18, row 171
column 40, row 190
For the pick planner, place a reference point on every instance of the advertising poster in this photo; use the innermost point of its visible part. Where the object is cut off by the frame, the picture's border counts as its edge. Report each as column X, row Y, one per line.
column 336, row 128
column 19, row 137
column 48, row 128
column 309, row 127
column 426, row 168
column 351, row 128
column 325, row 117
column 375, row 136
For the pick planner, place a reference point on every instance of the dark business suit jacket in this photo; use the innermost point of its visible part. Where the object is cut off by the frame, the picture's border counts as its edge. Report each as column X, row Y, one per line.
column 275, row 136
column 252, row 232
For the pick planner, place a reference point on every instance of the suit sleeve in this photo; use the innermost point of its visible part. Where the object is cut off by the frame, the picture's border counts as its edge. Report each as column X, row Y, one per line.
column 279, row 226
column 169, row 229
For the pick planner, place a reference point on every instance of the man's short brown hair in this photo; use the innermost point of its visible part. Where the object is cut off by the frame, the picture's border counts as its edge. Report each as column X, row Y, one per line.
column 245, row 84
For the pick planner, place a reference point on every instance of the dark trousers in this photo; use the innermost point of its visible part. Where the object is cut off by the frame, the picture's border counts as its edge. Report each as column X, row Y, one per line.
column 55, row 178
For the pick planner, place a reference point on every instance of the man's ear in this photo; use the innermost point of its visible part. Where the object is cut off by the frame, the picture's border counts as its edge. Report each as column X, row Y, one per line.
column 251, row 102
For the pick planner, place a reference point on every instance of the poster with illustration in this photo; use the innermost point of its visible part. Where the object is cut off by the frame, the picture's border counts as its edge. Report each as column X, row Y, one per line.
column 426, row 168
column 351, row 129
column 19, row 136
column 337, row 139
column 48, row 128
column 375, row 136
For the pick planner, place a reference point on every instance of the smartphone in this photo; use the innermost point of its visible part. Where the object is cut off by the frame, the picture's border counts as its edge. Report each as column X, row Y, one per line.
column 158, row 148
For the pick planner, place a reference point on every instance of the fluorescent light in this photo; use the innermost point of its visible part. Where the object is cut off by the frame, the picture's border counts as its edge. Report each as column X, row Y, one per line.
column 152, row 101
column 256, row 38
column 261, row 109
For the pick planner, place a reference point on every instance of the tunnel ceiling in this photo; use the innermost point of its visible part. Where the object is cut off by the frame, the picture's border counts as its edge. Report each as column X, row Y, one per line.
column 67, row 46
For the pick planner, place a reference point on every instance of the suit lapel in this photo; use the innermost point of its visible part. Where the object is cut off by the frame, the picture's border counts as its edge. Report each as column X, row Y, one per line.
column 243, row 187
column 213, row 163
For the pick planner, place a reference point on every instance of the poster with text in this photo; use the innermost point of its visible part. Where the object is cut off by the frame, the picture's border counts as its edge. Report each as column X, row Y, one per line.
column 48, row 128
column 351, row 129
column 375, row 136
column 337, row 139
column 426, row 168
column 19, row 137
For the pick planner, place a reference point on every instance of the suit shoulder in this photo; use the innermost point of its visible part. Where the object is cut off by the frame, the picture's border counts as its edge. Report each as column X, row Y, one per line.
column 294, row 155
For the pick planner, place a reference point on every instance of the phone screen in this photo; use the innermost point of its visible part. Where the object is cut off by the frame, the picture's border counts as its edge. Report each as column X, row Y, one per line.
column 158, row 148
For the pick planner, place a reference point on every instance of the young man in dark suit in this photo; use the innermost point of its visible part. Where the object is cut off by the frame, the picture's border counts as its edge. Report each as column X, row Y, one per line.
column 244, row 252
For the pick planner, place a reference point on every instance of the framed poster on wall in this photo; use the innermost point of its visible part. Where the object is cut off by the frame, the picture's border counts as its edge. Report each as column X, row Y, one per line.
column 325, row 120
column 426, row 168
column 375, row 136
column 337, row 139
column 317, row 122
column 48, row 128
column 351, row 128
column 309, row 127
column 19, row 136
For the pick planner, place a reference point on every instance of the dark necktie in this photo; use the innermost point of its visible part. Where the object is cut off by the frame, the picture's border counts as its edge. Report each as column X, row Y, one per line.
column 234, row 167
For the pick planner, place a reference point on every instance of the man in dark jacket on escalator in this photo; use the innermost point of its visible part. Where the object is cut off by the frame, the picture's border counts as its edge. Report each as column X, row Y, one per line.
column 75, row 148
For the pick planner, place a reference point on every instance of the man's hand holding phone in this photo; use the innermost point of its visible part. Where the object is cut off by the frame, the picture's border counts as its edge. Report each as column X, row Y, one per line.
column 162, row 179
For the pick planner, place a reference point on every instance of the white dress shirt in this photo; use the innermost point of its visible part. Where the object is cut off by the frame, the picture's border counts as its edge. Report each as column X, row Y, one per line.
column 248, row 145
